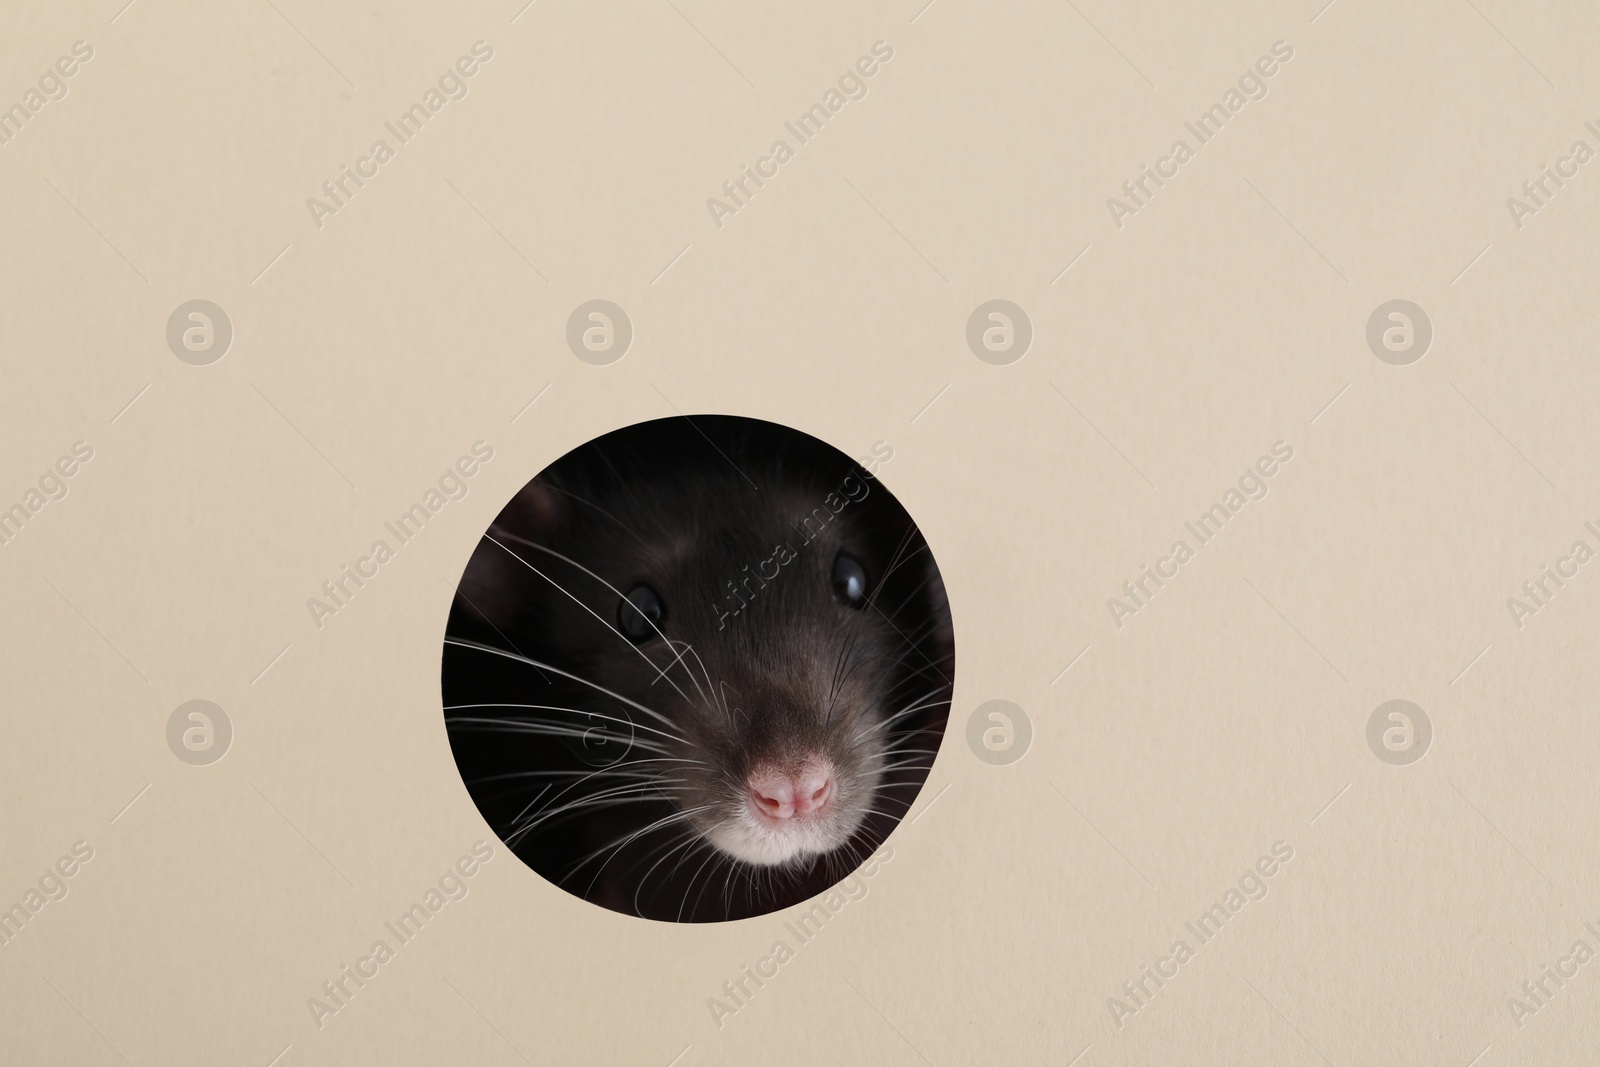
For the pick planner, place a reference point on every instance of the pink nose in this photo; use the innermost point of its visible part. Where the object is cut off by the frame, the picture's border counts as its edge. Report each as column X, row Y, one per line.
column 783, row 796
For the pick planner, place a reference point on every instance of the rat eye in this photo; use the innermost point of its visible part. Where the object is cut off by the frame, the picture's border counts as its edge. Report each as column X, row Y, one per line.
column 849, row 580
column 640, row 613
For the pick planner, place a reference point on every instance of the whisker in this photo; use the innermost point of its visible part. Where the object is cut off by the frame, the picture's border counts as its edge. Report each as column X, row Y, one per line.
column 681, row 816
column 538, row 729
column 653, row 783
column 574, row 563
column 706, row 691
column 885, row 723
column 660, row 673
column 713, row 855
column 667, row 850
column 460, row 592
column 911, row 644
column 552, row 707
column 616, row 846
column 528, row 805
column 566, row 811
column 618, row 769
column 477, row 646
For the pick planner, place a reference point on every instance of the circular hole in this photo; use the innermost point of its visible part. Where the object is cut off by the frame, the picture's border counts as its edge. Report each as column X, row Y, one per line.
column 665, row 691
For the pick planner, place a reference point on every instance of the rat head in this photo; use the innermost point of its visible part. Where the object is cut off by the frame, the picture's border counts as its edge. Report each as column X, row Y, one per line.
column 752, row 626
column 778, row 644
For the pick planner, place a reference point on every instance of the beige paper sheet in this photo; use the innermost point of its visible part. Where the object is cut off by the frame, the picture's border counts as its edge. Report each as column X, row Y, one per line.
column 1170, row 318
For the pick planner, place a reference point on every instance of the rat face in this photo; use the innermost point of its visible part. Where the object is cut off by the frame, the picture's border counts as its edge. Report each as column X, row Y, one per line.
column 748, row 658
column 761, row 677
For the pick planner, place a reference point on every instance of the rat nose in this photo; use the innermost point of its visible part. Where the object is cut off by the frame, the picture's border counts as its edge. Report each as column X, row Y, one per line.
column 783, row 796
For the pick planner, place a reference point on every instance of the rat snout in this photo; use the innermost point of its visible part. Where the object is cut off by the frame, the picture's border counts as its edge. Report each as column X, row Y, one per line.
column 776, row 794
column 791, row 807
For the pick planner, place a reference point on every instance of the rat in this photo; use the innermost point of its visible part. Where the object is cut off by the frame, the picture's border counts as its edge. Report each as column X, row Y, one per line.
column 698, row 668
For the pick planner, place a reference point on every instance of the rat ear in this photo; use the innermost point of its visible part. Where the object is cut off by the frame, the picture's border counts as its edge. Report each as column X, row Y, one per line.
column 493, row 585
column 538, row 511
